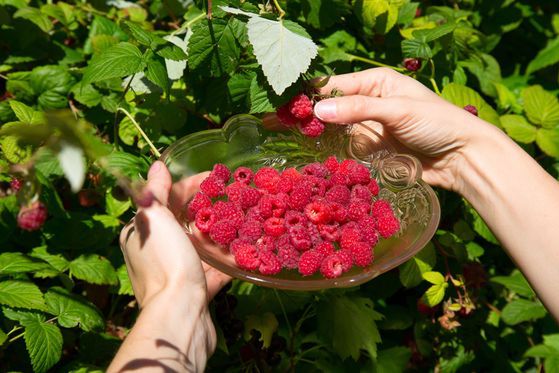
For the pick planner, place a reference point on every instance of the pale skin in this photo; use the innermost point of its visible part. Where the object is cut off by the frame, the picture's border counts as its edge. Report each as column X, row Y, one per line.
column 459, row 152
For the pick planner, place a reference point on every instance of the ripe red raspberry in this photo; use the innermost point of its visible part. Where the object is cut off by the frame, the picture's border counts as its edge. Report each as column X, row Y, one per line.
column 223, row 232
column 269, row 263
column 300, row 238
column 471, row 109
column 246, row 257
column 285, row 185
column 300, row 197
column 388, row 226
column 239, row 242
column 229, row 211
column 288, row 256
column 199, row 202
column 310, row 262
column 359, row 174
column 251, row 230
column 291, row 173
column 88, row 197
column 361, row 192
column 32, row 217
column 293, row 218
column 205, row 219
column 339, row 178
column 243, row 175
column 368, row 226
column 315, row 169
column 274, row 227
column 267, row 178
column 249, row 197
column 213, row 187
column 362, row 254
column 301, row 106
column 332, row 164
column 315, row 184
column 318, row 212
column 346, row 258
column 339, row 212
column 329, row 232
column 325, row 248
column 314, row 234
column 311, row 127
column 266, row 243
column 233, row 191
column 340, row 194
column 221, row 172
column 349, row 237
column 15, row 184
column 412, row 64
column 332, row 266
column 380, row 208
column 346, row 166
column 358, row 209
column 424, row 309
column 254, row 213
column 273, row 205
column 373, row 187
column 285, row 117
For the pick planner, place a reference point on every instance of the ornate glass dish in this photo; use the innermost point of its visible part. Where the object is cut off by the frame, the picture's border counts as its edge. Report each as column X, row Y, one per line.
column 243, row 141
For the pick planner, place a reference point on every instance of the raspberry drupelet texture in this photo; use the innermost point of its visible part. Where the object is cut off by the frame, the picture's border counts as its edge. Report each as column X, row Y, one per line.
column 249, row 197
column 339, row 178
column 346, row 258
column 362, row 254
column 311, row 127
column 267, row 179
column 32, row 217
column 329, row 232
column 358, row 209
column 331, row 163
column 199, row 202
column 361, row 192
column 471, row 109
column 339, row 194
column 316, row 169
column 247, row 257
column 243, row 175
column 274, row 227
column 373, row 187
column 251, row 230
column 205, row 219
column 388, row 226
column 349, row 236
column 412, row 64
column 300, row 197
column 332, row 266
column 233, row 191
column 310, row 262
column 368, row 226
column 288, row 256
column 213, row 187
column 223, row 232
column 269, row 263
column 293, row 218
column 380, row 208
column 15, row 184
column 338, row 212
column 221, row 172
column 301, row 106
column 266, row 243
column 318, row 212
column 300, row 238
column 285, row 117
column 325, row 248
column 229, row 211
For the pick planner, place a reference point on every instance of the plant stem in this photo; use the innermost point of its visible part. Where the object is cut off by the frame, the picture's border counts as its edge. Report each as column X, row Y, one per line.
column 352, row 57
column 187, row 25
column 16, row 338
column 146, row 138
column 279, row 9
column 15, row 329
column 432, row 78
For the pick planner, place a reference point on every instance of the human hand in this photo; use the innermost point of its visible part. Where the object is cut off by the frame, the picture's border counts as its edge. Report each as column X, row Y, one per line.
column 438, row 133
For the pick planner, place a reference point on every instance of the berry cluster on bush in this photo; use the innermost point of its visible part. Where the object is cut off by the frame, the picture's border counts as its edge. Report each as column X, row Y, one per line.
column 298, row 112
column 325, row 217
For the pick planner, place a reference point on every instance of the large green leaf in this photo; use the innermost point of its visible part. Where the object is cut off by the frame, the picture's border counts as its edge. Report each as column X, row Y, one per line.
column 518, row 128
column 392, row 360
column 542, row 107
column 21, row 294
column 44, row 344
column 34, row 15
column 73, row 310
column 322, row 14
column 94, row 269
column 411, row 272
column 266, row 323
column 515, row 282
column 13, row 263
column 435, row 294
column 157, row 73
column 25, row 113
column 125, row 286
column 116, row 62
column 57, row 261
column 520, row 310
column 461, row 96
column 546, row 57
column 548, row 141
column 348, row 324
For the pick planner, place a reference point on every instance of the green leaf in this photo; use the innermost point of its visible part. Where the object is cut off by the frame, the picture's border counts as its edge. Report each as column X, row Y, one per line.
column 416, row 49
column 429, row 35
column 542, row 107
column 125, row 286
column 23, row 317
column 548, row 141
column 435, row 278
column 72, row 310
column 392, row 360
column 487, row 71
column 348, row 325
column 142, row 36
column 114, row 206
column 87, row 95
column 506, row 99
column 44, row 344
column 34, row 15
column 72, row 162
column 157, row 73
column 57, row 261
column 322, row 14
column 518, row 128
column 520, row 310
column 461, row 96
column 93, row 269
column 474, row 250
column 259, row 101
column 265, row 323
column 25, row 113
column 546, row 57
column 14, row 263
column 52, row 84
column 21, row 294
column 175, row 68
column 173, row 52
column 542, row 351
column 3, row 337
column 515, row 282
column 411, row 271
column 435, row 294
column 116, row 62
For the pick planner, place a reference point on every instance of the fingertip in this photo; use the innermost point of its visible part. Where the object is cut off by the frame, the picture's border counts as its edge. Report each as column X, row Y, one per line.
column 155, row 169
column 326, row 110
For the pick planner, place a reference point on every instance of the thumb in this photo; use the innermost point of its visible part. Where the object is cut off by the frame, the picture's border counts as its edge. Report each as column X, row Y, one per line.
column 159, row 182
column 357, row 108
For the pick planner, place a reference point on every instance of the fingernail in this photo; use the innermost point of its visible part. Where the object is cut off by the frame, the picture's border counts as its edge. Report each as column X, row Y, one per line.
column 326, row 110
column 155, row 168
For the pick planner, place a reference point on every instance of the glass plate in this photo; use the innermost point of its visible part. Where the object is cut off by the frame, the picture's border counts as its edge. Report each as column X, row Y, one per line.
column 243, row 141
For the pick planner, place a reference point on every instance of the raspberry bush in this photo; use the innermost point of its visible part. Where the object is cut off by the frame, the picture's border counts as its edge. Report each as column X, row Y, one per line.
column 90, row 93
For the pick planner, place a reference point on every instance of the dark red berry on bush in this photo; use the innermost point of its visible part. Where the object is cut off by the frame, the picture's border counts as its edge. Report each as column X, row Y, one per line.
column 88, row 197
column 412, row 64
column 32, row 217
column 471, row 109
column 424, row 308
column 15, row 184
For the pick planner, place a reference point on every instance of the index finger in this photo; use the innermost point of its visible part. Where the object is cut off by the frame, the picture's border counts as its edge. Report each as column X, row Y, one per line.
column 371, row 82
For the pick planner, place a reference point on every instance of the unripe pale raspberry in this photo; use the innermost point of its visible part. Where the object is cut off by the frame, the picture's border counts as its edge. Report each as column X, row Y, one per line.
column 358, row 209
column 205, row 219
column 221, row 172
column 340, row 194
column 388, row 226
column 332, row 266
column 311, row 127
column 213, row 187
column 223, row 232
column 32, row 217
column 310, row 262
column 285, row 117
column 412, row 64
column 471, row 109
column 361, row 192
column 243, row 175
column 332, row 164
column 274, row 227
column 301, row 106
column 246, row 257
column 362, row 254
column 300, row 238
column 269, row 263
column 316, row 169
column 318, row 212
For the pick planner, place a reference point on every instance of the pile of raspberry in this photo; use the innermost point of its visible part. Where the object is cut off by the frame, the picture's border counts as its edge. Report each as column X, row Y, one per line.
column 325, row 217
column 299, row 113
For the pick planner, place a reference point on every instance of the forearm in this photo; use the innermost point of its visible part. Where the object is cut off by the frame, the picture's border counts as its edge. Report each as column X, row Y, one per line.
column 519, row 201
column 172, row 333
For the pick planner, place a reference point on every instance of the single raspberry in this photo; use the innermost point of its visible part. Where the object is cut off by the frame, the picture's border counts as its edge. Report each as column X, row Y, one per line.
column 315, row 169
column 229, row 211
column 266, row 243
column 358, row 209
column 340, row 194
column 346, row 166
column 251, row 230
column 246, row 257
column 15, row 184
column 288, row 256
column 274, row 227
column 361, row 192
column 350, row 225
column 332, row 266
column 310, row 262
column 213, row 187
column 339, row 178
column 388, row 226
column 329, row 232
column 311, row 127
column 373, row 187
column 32, row 217
column 338, row 212
column 254, row 213
column 283, row 242
column 267, row 178
column 249, row 197
column 346, row 259
column 362, row 254
column 318, row 212
column 349, row 237
column 234, row 190
column 359, row 174
column 301, row 106
column 199, row 202
column 279, row 204
column 205, row 219
column 471, row 109
column 412, row 64
column 332, row 164
column 269, row 263
column 221, row 172
column 300, row 197
column 223, row 232
column 285, row 117
column 314, row 234
column 243, row 175
column 418, row 12
column 285, row 185
column 315, row 184
column 424, row 309
column 293, row 218
column 300, row 238
column 325, row 248
column 381, row 208
column 239, row 242
column 369, row 232
column 292, row 174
